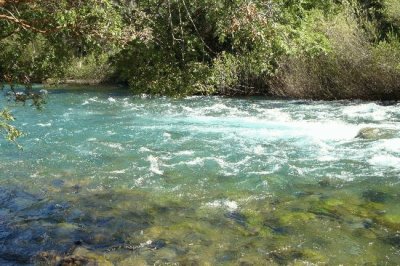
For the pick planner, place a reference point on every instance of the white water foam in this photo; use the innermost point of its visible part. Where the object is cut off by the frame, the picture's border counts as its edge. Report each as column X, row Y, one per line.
column 225, row 204
column 154, row 165
column 114, row 145
column 44, row 125
column 391, row 145
column 184, row 153
column 258, row 150
column 385, row 160
column 370, row 111
column 144, row 149
column 123, row 171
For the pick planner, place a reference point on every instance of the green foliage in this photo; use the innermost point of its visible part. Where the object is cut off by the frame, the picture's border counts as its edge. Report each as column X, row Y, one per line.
column 353, row 67
column 10, row 132
column 23, row 61
column 303, row 48
column 38, row 39
column 192, row 40
column 392, row 11
column 91, row 67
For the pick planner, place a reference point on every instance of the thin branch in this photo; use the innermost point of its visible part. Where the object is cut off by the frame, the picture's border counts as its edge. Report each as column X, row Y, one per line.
column 182, row 37
column 170, row 22
column 24, row 24
column 195, row 27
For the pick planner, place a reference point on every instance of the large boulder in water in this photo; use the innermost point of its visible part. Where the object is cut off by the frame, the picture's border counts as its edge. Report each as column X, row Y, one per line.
column 375, row 133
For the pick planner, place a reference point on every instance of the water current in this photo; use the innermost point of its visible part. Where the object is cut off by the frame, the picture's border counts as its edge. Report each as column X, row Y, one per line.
column 112, row 178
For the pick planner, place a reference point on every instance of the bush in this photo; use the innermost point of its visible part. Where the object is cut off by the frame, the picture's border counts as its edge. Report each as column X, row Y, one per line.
column 91, row 67
column 352, row 67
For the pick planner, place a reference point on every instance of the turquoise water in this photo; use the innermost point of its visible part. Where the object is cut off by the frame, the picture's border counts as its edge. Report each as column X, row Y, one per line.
column 136, row 180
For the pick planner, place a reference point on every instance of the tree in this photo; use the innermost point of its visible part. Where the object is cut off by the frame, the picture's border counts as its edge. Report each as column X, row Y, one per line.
column 38, row 38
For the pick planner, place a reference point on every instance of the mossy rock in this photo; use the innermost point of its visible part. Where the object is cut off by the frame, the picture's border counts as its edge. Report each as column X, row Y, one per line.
column 254, row 218
column 286, row 256
column 313, row 256
column 370, row 210
column 133, row 261
column 342, row 209
column 391, row 221
column 363, row 233
column 333, row 203
column 92, row 258
column 296, row 217
column 155, row 231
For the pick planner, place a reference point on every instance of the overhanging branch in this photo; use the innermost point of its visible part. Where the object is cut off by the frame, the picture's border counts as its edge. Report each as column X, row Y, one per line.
column 24, row 24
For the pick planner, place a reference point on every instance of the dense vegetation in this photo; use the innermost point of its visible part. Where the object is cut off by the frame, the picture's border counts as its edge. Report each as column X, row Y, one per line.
column 318, row 49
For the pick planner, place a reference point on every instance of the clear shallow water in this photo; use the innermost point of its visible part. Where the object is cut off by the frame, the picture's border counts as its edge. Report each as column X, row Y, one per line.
column 141, row 180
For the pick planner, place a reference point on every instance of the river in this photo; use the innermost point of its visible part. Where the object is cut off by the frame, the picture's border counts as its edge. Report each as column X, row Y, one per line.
column 133, row 180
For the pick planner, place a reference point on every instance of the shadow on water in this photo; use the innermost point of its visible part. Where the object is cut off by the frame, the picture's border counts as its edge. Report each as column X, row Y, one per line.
column 32, row 224
column 111, row 90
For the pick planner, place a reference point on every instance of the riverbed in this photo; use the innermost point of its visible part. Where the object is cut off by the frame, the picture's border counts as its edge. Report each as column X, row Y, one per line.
column 119, row 179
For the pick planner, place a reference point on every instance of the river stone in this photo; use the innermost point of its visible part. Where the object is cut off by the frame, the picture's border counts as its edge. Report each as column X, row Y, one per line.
column 370, row 133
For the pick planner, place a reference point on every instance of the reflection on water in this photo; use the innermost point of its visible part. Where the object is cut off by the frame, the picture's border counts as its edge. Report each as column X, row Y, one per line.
column 109, row 178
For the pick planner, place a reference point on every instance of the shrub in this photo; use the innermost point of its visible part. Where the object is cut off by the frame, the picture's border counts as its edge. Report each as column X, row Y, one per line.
column 352, row 67
column 94, row 67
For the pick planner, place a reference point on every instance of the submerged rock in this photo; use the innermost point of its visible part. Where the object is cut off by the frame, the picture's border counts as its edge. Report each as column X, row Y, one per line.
column 285, row 257
column 326, row 182
column 276, row 226
column 292, row 218
column 58, row 183
column 391, row 221
column 16, row 199
column 191, row 260
column 157, row 244
column 368, row 223
column 302, row 194
column 375, row 196
column 236, row 217
column 227, row 256
column 33, row 228
column 24, row 244
column 393, row 240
